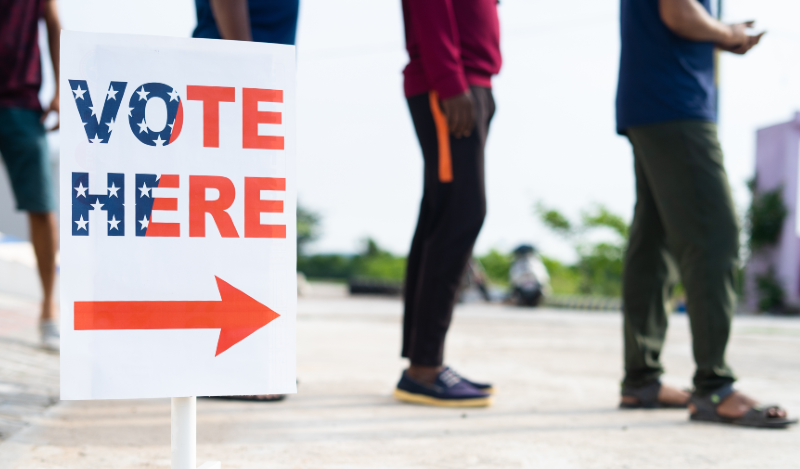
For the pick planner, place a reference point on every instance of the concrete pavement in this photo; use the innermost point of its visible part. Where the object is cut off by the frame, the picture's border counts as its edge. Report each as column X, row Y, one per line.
column 557, row 374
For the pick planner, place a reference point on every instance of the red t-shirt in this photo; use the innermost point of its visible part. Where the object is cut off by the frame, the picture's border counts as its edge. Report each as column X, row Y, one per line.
column 451, row 44
column 20, row 61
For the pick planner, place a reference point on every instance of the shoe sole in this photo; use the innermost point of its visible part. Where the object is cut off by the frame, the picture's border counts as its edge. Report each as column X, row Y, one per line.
column 405, row 396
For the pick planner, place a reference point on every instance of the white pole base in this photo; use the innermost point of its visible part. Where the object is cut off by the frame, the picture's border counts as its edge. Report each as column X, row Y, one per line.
column 211, row 465
column 184, row 432
column 184, row 435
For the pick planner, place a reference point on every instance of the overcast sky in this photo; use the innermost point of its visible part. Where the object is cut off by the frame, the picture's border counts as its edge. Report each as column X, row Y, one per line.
column 552, row 139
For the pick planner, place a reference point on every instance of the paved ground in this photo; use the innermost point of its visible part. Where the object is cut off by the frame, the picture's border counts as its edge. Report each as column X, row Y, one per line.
column 557, row 372
column 28, row 375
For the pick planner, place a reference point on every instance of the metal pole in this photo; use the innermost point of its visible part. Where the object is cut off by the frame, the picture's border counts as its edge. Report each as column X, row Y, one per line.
column 184, row 432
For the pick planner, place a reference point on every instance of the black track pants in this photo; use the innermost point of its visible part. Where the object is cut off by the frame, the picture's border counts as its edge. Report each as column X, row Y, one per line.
column 450, row 218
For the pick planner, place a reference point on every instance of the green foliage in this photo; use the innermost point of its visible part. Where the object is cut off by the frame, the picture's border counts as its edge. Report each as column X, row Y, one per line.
column 554, row 220
column 375, row 263
column 770, row 292
column 602, row 217
column 325, row 266
column 599, row 267
column 497, row 266
column 564, row 279
column 372, row 263
column 308, row 228
column 765, row 218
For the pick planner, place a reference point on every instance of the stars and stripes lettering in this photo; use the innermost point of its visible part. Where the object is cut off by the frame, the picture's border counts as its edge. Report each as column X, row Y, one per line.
column 112, row 202
column 146, row 203
column 137, row 119
column 98, row 121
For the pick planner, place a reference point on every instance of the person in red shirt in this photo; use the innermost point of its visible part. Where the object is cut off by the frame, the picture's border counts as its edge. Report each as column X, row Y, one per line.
column 23, row 144
column 454, row 50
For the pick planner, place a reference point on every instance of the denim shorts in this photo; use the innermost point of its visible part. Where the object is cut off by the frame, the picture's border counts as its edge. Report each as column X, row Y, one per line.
column 23, row 146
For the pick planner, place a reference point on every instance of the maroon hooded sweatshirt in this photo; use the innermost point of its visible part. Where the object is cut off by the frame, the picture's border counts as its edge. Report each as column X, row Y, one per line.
column 451, row 44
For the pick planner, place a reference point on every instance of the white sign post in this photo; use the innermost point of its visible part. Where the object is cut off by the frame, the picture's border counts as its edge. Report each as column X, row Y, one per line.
column 178, row 251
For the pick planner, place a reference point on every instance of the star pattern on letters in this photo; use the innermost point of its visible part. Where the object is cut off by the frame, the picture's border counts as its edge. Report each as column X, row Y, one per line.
column 114, row 222
column 142, row 94
column 81, row 190
column 82, row 223
column 145, row 190
column 112, row 191
column 111, row 94
column 110, row 125
column 173, row 96
column 93, row 109
column 144, row 221
column 96, row 139
column 97, row 205
column 158, row 141
column 142, row 126
column 79, row 92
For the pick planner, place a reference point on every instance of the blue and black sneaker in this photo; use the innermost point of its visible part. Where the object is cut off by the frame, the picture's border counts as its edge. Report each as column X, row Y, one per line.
column 485, row 387
column 449, row 390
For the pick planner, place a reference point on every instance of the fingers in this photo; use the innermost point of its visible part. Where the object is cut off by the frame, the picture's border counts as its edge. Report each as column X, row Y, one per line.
column 462, row 122
column 747, row 45
column 469, row 118
column 454, row 112
column 47, row 113
column 460, row 113
column 466, row 118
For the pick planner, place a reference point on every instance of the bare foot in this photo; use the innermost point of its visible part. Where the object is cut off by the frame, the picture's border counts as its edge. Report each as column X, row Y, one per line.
column 666, row 395
column 737, row 404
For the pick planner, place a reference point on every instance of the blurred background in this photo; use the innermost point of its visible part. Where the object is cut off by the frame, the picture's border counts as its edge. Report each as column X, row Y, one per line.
column 558, row 176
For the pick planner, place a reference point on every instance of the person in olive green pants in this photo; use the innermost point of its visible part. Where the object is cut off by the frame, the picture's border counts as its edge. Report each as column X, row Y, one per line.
column 683, row 207
column 666, row 106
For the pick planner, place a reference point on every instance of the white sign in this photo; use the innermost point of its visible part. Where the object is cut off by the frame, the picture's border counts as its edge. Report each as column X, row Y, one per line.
column 178, row 251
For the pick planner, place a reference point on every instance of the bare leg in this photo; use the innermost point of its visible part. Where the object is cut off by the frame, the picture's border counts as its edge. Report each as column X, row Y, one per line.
column 44, row 236
column 424, row 374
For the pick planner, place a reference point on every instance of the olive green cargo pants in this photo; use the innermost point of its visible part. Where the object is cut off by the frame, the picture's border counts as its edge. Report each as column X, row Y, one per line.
column 683, row 210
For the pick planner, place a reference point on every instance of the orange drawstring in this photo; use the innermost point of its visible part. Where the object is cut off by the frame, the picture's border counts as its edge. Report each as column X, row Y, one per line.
column 443, row 135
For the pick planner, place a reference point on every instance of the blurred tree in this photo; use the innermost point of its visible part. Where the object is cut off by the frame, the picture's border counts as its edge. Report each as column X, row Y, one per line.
column 308, row 228
column 765, row 217
column 564, row 279
column 371, row 263
column 599, row 266
column 375, row 263
column 496, row 265
column 764, row 224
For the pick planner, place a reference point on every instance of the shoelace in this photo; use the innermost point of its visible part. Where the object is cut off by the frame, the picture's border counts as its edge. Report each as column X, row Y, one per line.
column 450, row 378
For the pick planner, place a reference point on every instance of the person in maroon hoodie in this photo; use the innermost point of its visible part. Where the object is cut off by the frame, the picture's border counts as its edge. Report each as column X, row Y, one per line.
column 454, row 49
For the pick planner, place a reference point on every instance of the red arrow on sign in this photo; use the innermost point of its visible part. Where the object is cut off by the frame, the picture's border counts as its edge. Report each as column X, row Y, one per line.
column 237, row 315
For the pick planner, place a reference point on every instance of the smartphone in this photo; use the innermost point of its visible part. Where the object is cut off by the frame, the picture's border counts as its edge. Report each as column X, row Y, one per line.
column 755, row 31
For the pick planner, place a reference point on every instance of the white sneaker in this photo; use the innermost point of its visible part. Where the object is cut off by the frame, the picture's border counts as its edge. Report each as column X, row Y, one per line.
column 51, row 339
